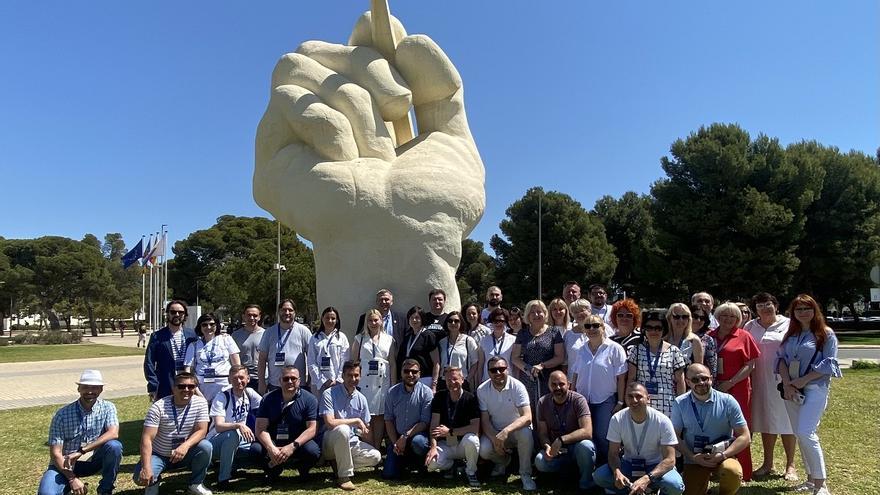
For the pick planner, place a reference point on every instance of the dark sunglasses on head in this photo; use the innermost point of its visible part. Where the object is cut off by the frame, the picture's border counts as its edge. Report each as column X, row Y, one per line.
column 680, row 317
column 185, row 386
column 498, row 369
column 290, row 379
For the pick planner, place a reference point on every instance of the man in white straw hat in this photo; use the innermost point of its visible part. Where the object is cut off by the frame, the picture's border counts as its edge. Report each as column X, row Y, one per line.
column 83, row 440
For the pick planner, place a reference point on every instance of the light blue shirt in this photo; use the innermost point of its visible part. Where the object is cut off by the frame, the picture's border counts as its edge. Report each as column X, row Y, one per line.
column 408, row 408
column 337, row 401
column 720, row 414
column 802, row 347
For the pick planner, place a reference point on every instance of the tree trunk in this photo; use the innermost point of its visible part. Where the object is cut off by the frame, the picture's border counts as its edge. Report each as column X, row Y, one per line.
column 91, row 314
column 54, row 323
column 3, row 323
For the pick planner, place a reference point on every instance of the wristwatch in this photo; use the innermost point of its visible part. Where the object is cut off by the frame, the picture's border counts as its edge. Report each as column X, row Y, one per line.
column 81, row 451
column 295, row 444
column 651, row 478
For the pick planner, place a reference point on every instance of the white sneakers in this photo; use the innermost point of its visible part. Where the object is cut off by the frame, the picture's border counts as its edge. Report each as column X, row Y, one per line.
column 199, row 489
column 822, row 491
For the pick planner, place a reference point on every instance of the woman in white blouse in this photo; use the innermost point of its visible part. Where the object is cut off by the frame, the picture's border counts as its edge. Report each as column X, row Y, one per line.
column 376, row 352
column 328, row 349
column 600, row 376
column 498, row 343
column 211, row 357
column 458, row 350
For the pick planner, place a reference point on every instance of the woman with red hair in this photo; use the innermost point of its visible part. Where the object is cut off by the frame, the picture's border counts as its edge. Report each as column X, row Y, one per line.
column 626, row 317
column 807, row 361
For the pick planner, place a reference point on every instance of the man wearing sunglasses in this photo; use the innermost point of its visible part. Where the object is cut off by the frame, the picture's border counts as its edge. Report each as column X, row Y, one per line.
column 506, row 418
column 164, row 357
column 174, row 437
column 711, row 431
column 286, row 425
column 407, row 416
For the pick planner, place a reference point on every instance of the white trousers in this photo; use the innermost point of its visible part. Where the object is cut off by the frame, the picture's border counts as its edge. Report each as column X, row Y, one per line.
column 468, row 448
column 805, row 423
column 337, row 445
column 521, row 440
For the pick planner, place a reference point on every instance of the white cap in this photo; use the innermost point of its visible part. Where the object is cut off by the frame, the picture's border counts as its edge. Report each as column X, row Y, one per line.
column 91, row 377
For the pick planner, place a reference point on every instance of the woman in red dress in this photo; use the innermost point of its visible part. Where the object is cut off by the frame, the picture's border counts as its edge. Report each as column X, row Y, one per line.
column 737, row 352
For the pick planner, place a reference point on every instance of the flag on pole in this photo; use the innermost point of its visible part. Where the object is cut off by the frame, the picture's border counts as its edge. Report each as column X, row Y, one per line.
column 152, row 254
column 159, row 248
column 134, row 255
column 146, row 255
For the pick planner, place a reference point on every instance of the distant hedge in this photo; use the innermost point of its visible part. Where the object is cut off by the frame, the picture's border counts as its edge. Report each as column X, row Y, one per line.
column 48, row 337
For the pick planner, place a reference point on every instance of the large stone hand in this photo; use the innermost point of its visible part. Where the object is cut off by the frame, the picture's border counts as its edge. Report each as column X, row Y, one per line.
column 378, row 215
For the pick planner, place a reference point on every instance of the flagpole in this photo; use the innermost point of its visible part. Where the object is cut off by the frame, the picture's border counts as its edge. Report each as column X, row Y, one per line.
column 164, row 262
column 151, row 300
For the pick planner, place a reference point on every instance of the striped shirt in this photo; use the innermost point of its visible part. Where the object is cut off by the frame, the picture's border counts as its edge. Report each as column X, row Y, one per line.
column 73, row 427
column 162, row 416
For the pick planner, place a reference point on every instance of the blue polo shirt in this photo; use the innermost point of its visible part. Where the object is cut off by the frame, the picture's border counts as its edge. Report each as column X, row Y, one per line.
column 408, row 408
column 720, row 414
column 337, row 401
column 303, row 408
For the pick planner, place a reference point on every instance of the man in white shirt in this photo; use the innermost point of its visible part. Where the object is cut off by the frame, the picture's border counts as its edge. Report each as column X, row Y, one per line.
column 506, row 418
column 599, row 304
column 231, row 434
column 649, row 442
column 493, row 301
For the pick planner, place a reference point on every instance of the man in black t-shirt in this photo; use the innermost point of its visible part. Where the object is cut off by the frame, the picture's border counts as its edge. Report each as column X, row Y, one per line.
column 455, row 428
column 433, row 318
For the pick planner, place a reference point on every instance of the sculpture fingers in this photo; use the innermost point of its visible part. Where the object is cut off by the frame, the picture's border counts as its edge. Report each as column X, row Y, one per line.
column 314, row 123
column 367, row 68
column 362, row 33
column 436, row 86
column 342, row 95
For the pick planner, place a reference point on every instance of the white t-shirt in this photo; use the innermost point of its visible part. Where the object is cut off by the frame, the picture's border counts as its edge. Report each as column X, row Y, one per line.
column 660, row 432
column 495, row 347
column 233, row 409
column 503, row 405
column 460, row 354
column 213, row 355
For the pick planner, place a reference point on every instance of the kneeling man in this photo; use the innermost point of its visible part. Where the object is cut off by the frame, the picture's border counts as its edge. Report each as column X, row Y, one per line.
column 231, row 435
column 455, row 428
column 82, row 441
column 649, row 449
column 711, row 431
column 347, row 417
column 174, row 437
column 407, row 416
column 565, row 432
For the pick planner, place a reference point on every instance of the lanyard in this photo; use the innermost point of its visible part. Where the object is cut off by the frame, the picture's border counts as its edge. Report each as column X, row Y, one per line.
column 652, row 366
column 335, row 333
column 721, row 344
column 700, row 420
column 282, row 342
column 561, row 421
column 497, row 344
column 450, row 350
column 179, row 426
column 451, row 411
column 366, row 337
column 641, row 442
column 412, row 341
column 176, row 346
column 210, row 351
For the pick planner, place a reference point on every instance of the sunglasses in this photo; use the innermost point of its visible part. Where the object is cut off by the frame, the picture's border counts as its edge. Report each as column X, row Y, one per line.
column 498, row 369
column 593, row 325
column 656, row 328
column 172, row 312
column 680, row 317
column 700, row 379
column 454, row 322
column 185, row 386
column 499, row 321
column 625, row 315
column 207, row 324
column 290, row 379
column 410, row 372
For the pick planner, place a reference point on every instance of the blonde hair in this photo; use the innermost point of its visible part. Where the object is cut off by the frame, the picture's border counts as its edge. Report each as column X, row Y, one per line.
column 559, row 303
column 370, row 313
column 732, row 308
column 690, row 319
column 539, row 303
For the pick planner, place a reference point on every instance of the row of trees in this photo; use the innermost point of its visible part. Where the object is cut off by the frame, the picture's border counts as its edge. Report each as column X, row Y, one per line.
column 732, row 215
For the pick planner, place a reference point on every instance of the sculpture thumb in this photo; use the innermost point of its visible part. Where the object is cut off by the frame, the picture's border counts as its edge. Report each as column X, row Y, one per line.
column 436, row 86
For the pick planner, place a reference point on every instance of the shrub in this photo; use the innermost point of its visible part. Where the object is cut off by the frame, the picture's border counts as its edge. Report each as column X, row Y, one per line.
column 860, row 364
column 49, row 338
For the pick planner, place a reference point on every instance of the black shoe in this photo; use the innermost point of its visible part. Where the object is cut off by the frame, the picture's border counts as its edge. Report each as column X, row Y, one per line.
column 222, row 486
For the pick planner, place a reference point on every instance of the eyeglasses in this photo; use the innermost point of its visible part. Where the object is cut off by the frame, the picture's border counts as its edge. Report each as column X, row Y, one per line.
column 454, row 322
column 680, row 317
column 656, row 328
column 700, row 379
column 185, row 386
column 499, row 320
column 767, row 305
column 289, row 379
column 209, row 324
column 593, row 325
column 172, row 312
column 625, row 316
column 498, row 369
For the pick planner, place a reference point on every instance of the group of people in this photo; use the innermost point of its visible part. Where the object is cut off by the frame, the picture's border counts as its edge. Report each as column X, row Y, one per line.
column 630, row 400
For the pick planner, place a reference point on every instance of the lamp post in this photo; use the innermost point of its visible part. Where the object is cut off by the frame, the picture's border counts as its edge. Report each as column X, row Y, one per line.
column 278, row 268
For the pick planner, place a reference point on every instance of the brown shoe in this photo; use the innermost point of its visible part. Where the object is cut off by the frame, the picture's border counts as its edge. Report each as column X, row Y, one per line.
column 346, row 484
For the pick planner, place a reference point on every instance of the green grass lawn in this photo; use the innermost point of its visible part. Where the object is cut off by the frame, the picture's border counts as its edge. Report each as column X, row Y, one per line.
column 869, row 339
column 25, row 353
column 848, row 434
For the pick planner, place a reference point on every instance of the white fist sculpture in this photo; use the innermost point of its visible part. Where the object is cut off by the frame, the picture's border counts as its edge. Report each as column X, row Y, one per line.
column 378, row 215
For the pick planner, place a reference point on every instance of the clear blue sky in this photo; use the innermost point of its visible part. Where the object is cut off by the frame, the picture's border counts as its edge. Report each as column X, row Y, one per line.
column 122, row 116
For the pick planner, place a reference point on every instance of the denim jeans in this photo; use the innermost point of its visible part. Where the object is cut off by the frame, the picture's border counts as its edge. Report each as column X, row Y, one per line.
column 580, row 458
column 670, row 484
column 417, row 445
column 227, row 446
column 601, row 415
column 197, row 459
column 105, row 459
column 303, row 459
